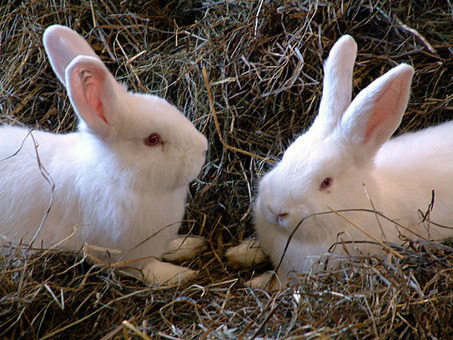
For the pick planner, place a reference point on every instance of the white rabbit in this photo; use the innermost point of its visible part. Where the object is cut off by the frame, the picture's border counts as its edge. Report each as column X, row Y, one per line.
column 120, row 179
column 345, row 161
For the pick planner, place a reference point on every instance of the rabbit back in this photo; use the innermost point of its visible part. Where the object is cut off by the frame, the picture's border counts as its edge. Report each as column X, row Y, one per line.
column 25, row 193
column 417, row 169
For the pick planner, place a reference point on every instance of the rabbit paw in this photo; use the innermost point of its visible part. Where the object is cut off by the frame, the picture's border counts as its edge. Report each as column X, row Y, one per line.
column 268, row 281
column 164, row 273
column 96, row 255
column 184, row 248
column 247, row 254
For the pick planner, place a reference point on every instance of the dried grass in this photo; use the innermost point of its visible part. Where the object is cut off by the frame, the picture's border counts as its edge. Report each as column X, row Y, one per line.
column 261, row 85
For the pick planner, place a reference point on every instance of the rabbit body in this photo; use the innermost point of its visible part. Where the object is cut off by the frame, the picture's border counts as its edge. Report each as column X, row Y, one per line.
column 83, row 176
column 346, row 161
column 391, row 183
column 120, row 179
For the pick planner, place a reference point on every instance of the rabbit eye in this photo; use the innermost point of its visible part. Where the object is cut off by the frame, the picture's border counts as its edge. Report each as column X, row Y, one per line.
column 153, row 140
column 326, row 183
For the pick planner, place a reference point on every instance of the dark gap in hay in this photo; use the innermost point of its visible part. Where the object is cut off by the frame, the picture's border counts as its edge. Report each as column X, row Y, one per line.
column 265, row 94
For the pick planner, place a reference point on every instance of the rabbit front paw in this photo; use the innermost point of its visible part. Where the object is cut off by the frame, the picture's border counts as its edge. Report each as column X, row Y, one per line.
column 165, row 273
column 269, row 281
column 184, row 248
column 246, row 255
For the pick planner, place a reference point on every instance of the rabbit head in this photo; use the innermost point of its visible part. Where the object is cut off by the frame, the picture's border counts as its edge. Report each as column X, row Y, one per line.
column 142, row 134
column 331, row 165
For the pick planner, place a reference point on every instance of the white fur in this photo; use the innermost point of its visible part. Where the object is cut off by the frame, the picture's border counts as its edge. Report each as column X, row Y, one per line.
column 348, row 142
column 115, row 190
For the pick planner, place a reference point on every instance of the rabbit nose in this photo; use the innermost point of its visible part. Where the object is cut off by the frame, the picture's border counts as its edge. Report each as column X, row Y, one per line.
column 281, row 218
column 277, row 217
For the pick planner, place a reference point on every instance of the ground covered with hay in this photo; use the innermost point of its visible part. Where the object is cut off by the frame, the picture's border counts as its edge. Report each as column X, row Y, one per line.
column 248, row 73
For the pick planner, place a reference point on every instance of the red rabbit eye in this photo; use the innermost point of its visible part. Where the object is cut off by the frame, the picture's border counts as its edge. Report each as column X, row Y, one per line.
column 153, row 139
column 327, row 182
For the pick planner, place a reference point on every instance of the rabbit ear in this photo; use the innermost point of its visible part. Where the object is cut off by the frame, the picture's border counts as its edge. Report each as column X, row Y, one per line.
column 376, row 112
column 337, row 86
column 94, row 93
column 62, row 45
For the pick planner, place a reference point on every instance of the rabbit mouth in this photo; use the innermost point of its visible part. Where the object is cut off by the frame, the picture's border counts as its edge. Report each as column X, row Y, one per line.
column 287, row 220
column 276, row 217
column 191, row 167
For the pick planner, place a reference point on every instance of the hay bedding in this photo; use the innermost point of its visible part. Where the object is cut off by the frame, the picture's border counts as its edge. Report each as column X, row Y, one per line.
column 248, row 74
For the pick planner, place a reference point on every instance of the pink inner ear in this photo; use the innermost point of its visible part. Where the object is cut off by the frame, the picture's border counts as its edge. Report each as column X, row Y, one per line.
column 384, row 110
column 92, row 82
column 373, row 123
